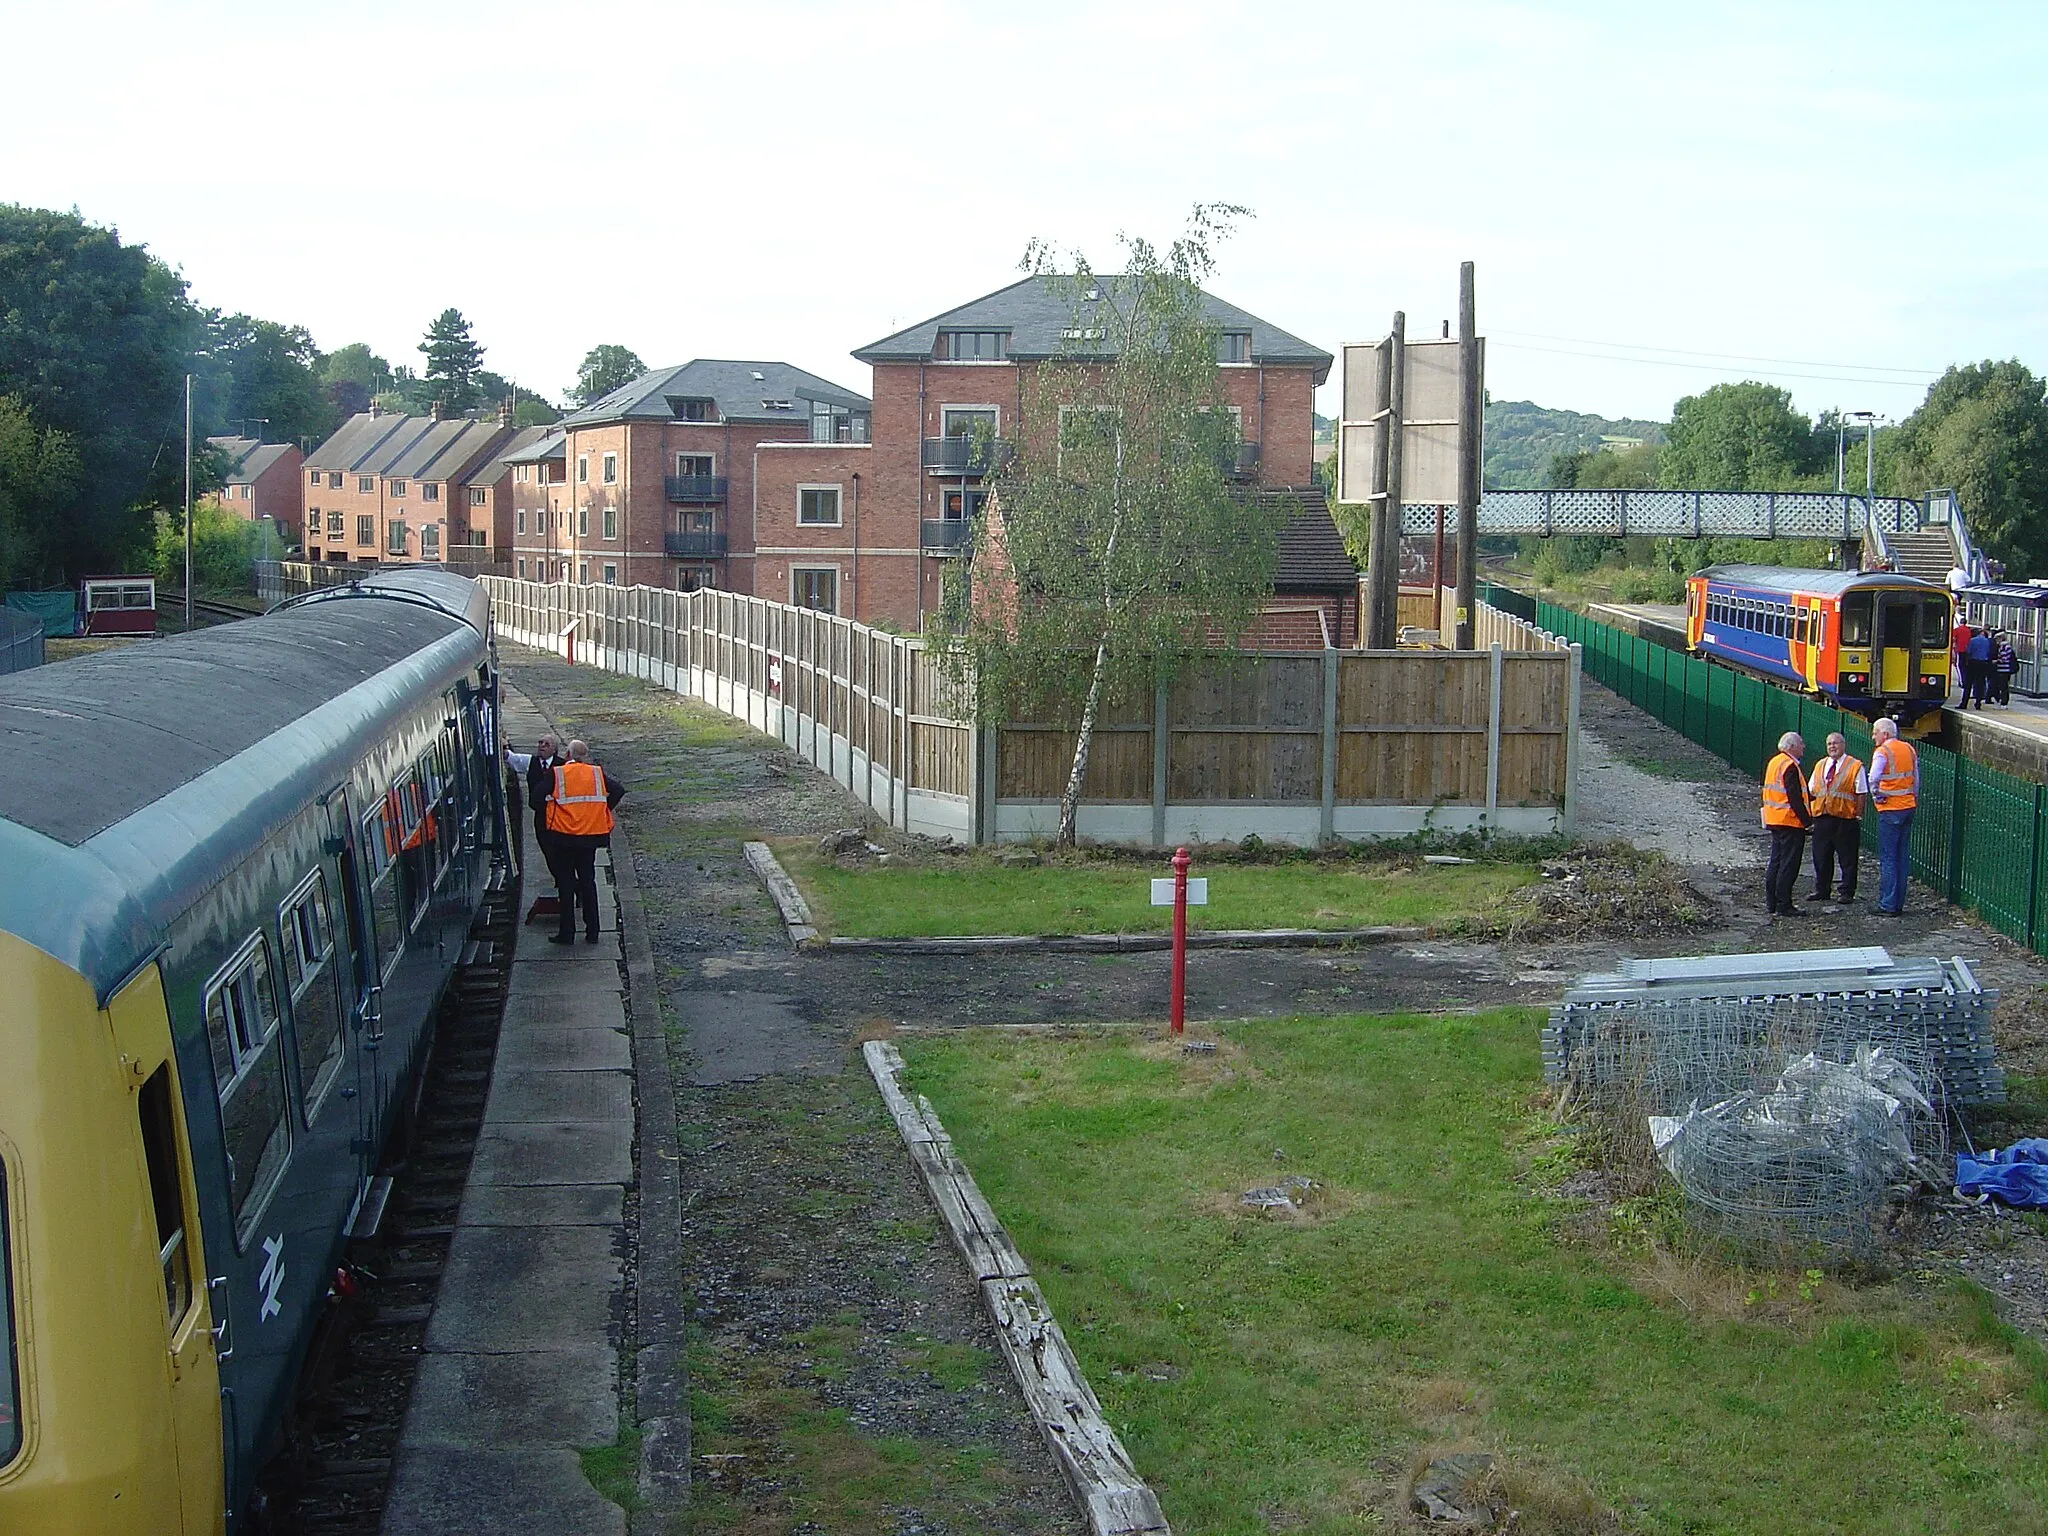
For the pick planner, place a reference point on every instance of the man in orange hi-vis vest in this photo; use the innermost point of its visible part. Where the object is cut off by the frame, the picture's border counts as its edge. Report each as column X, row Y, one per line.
column 1835, row 795
column 1895, row 791
column 580, row 805
column 1786, row 818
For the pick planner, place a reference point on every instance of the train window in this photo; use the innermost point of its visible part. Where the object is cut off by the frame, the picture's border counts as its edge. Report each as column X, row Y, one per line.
column 248, row 1067
column 1934, row 624
column 409, row 817
column 10, row 1386
column 380, row 840
column 166, row 1193
column 1856, row 619
column 308, row 929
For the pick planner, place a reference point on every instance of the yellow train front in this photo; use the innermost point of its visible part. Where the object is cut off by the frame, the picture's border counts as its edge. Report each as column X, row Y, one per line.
column 1870, row 642
column 239, row 865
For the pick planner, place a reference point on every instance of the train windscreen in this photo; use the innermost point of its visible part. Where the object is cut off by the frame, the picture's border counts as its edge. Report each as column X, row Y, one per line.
column 10, row 1390
column 1934, row 624
column 1856, row 619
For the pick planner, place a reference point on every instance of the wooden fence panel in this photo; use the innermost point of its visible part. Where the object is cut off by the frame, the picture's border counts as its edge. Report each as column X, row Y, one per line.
column 1033, row 764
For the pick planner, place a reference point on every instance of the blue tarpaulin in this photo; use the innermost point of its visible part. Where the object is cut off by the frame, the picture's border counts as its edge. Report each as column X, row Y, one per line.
column 2016, row 1176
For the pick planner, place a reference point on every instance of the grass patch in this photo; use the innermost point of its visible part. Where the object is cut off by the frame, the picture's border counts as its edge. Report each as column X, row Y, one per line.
column 1291, row 1374
column 976, row 895
column 614, row 1470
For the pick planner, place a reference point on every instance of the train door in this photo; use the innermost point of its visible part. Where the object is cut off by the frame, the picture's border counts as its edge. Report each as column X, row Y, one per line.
column 360, row 977
column 1896, row 666
column 142, row 1033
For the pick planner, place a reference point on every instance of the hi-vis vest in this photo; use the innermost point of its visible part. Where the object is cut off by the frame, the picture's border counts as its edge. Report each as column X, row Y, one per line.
column 1777, row 805
column 1895, row 776
column 578, row 808
column 1840, row 797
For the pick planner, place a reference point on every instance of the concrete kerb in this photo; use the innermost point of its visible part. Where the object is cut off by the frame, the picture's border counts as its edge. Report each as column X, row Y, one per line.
column 803, row 933
column 662, row 1395
column 1111, row 1496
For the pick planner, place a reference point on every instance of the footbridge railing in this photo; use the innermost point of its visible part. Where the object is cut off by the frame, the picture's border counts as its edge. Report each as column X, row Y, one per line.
column 1685, row 514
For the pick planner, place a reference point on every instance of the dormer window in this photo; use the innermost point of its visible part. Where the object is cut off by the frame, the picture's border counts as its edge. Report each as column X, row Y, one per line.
column 974, row 346
column 778, row 405
column 1234, row 347
column 690, row 409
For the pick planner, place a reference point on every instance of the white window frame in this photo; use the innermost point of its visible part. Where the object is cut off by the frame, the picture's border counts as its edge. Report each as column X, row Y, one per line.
column 366, row 485
column 687, row 453
column 582, row 573
column 519, row 519
column 838, row 583
column 838, row 506
column 583, row 521
column 971, row 410
column 522, row 567
column 398, row 487
column 479, row 496
column 583, row 469
column 610, row 521
column 430, row 490
column 611, row 574
column 608, row 469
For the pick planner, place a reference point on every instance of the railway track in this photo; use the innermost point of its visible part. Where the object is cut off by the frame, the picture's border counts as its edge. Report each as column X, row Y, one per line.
column 170, row 609
column 336, row 1469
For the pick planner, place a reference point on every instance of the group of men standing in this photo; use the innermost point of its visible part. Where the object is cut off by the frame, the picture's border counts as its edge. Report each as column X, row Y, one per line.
column 1828, row 803
column 572, row 800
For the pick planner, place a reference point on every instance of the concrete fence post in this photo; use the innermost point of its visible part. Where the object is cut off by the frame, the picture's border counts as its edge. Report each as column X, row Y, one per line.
column 1495, row 658
column 1570, row 818
column 1326, row 832
column 1162, row 752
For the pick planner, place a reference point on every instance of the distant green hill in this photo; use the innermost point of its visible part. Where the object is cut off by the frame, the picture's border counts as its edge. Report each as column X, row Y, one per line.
column 1521, row 438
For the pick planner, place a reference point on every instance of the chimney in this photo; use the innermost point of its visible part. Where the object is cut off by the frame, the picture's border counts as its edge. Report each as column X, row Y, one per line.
column 434, row 410
column 373, row 407
column 505, row 412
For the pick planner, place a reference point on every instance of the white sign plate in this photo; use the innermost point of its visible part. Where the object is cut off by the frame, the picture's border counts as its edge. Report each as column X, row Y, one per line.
column 1198, row 892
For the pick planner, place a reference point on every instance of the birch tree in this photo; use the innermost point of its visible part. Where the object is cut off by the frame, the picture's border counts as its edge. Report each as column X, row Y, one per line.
column 1117, row 549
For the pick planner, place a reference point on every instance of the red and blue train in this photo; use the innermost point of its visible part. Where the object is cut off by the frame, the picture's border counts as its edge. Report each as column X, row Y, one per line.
column 1871, row 642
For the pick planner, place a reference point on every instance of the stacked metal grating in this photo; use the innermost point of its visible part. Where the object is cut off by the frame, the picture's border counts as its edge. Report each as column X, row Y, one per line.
column 1708, row 1025
column 1789, row 1094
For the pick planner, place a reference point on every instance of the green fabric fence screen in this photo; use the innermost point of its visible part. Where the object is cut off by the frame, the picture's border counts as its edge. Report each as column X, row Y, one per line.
column 1980, row 837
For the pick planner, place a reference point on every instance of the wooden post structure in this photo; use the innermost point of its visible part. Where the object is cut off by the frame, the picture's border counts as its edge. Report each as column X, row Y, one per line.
column 1471, row 409
column 1390, row 505
column 1178, row 1001
column 1379, row 552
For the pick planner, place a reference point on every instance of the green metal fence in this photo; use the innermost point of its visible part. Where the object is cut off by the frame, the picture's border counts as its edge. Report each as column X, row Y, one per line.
column 1980, row 837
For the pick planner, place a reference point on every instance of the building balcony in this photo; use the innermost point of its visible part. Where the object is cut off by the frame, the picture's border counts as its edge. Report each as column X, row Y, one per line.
column 963, row 455
column 946, row 536
column 693, row 546
column 695, row 489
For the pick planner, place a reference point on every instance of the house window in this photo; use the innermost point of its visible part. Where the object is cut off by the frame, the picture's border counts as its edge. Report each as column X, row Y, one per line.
column 963, row 504
column 583, row 469
column 313, row 524
column 975, row 346
column 519, row 519
column 478, row 496
column 394, row 543
column 334, row 525
column 366, row 530
column 519, row 473
column 611, row 522
column 693, row 464
column 244, row 491
column 696, row 578
column 313, row 477
column 1234, row 347
column 366, row 485
column 430, row 490
column 522, row 568
column 611, row 575
column 583, row 521
column 582, row 573
column 430, row 542
column 818, row 505
column 817, row 589
column 334, row 481
column 611, row 469
column 398, row 487
column 691, row 410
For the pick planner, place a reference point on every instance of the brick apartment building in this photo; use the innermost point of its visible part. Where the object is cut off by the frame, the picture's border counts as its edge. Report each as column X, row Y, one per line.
column 263, row 482
column 654, row 483
column 870, row 529
column 396, row 490
column 488, row 497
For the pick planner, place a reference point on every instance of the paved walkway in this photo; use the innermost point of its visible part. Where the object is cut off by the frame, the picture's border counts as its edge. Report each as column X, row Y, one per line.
column 522, row 1355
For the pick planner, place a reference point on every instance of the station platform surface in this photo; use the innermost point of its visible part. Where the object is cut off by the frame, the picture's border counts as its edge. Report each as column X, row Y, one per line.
column 522, row 1354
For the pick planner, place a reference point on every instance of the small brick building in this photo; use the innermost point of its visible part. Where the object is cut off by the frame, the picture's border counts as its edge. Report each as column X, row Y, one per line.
column 263, row 482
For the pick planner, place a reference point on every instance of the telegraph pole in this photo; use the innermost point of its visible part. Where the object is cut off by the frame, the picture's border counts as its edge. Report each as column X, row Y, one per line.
column 1390, row 507
column 188, row 503
column 1378, row 553
column 1471, row 410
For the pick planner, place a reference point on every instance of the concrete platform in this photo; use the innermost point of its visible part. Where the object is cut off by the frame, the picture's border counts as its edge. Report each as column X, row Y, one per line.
column 522, row 1361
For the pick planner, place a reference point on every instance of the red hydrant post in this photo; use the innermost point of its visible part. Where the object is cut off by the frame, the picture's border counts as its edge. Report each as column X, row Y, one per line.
column 1180, row 938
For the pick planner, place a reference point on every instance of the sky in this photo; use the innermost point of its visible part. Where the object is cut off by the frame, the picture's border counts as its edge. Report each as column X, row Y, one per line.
column 1842, row 200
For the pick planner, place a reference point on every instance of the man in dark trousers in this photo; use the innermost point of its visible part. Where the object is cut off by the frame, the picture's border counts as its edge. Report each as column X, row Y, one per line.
column 579, row 815
column 538, row 769
column 1836, row 795
column 1786, row 818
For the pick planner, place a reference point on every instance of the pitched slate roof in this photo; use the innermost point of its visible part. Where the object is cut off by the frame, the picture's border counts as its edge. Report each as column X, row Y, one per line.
column 1036, row 310
column 550, row 444
column 249, row 456
column 740, row 390
column 490, row 471
column 1312, row 553
column 410, row 447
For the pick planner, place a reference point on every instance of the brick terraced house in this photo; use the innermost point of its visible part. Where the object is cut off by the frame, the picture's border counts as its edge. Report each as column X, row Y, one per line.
column 657, row 482
column 263, row 482
column 871, row 529
column 383, row 490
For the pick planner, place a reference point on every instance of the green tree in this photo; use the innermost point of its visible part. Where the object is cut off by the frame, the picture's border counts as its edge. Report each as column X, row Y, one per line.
column 224, row 546
column 453, row 359
column 353, row 376
column 1632, row 469
column 1119, row 551
column 603, row 370
column 1983, row 433
column 39, row 474
column 263, row 380
column 1738, row 437
column 94, row 337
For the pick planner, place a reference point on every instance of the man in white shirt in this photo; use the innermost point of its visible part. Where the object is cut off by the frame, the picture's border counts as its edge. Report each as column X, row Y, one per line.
column 1837, row 793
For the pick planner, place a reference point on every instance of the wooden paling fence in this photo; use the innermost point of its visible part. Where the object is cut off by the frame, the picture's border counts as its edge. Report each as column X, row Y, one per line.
column 1294, row 747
